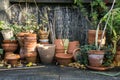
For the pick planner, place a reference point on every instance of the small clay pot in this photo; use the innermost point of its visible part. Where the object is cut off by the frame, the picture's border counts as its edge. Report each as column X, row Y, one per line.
column 64, row 59
column 72, row 46
column 31, row 57
column 118, row 52
column 95, row 58
column 12, row 59
column 75, row 52
column 59, row 44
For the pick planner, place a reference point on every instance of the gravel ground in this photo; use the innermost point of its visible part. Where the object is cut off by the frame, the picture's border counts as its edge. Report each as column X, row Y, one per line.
column 51, row 72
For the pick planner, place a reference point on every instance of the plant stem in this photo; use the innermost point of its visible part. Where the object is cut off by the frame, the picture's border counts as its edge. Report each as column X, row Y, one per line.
column 96, row 43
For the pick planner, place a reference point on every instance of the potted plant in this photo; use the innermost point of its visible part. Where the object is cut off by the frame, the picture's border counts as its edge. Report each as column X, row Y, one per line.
column 6, row 30
column 112, row 28
column 97, row 9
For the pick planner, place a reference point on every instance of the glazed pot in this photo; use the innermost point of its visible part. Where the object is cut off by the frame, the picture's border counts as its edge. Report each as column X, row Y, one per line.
column 31, row 57
column 72, row 46
column 64, row 59
column 95, row 58
column 46, row 53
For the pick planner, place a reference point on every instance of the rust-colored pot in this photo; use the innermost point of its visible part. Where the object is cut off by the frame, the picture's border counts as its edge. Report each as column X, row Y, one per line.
column 9, row 47
column 31, row 57
column 64, row 59
column 12, row 59
column 30, row 36
column 92, row 34
column 59, row 46
column 75, row 52
column 72, row 46
column 95, row 58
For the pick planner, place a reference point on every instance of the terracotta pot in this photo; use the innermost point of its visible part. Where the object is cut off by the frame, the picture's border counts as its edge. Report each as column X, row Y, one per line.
column 117, row 52
column 9, row 47
column 9, row 41
column 30, row 36
column 92, row 34
column 44, row 36
column 31, row 57
column 64, row 59
column 59, row 44
column 59, row 51
column 12, row 59
column 72, row 46
column 46, row 53
column 95, row 58
column 75, row 52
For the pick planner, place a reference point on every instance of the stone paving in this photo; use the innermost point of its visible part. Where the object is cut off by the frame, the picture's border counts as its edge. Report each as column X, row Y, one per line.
column 51, row 72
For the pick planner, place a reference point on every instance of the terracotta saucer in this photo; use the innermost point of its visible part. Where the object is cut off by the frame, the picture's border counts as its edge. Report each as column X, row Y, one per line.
column 101, row 68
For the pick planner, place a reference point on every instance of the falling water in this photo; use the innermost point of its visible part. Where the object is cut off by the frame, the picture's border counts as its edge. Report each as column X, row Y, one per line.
column 64, row 20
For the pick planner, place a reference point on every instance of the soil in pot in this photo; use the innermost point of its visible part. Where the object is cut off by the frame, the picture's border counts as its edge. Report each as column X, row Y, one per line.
column 46, row 53
column 95, row 58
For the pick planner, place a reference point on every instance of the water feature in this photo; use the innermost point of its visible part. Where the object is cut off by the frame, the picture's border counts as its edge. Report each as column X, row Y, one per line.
column 65, row 21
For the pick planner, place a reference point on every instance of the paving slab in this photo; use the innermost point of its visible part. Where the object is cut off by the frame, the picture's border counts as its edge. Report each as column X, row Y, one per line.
column 52, row 72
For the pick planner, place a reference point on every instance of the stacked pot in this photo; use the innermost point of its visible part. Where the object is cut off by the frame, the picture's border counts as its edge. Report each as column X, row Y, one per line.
column 30, row 42
column 64, row 57
column 43, row 34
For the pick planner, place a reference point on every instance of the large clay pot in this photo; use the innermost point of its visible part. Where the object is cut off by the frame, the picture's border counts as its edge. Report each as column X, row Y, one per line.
column 64, row 59
column 72, row 46
column 92, row 35
column 95, row 58
column 46, row 53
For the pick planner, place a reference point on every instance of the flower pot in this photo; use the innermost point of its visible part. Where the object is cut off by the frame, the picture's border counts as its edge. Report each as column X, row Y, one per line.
column 64, row 59
column 46, row 53
column 72, row 46
column 9, row 46
column 59, row 46
column 44, row 41
column 7, row 34
column 92, row 35
column 95, row 58
column 31, row 57
column 75, row 52
column 43, row 34
column 12, row 59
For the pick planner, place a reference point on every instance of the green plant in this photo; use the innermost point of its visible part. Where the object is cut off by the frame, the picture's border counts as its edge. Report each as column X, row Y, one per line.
column 82, row 56
column 97, row 9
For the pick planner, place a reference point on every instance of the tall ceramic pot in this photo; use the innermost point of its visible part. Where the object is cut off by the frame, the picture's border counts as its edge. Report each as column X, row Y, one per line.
column 46, row 53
